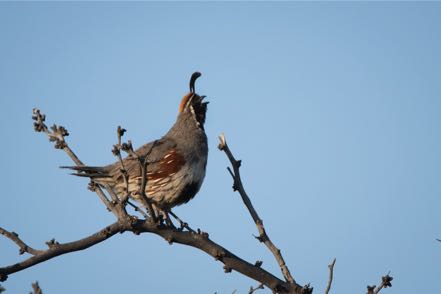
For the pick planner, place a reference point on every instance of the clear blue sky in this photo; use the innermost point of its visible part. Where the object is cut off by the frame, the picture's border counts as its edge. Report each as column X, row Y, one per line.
column 334, row 108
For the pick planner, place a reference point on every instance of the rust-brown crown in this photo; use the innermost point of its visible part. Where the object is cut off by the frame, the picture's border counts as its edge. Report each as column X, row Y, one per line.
column 194, row 102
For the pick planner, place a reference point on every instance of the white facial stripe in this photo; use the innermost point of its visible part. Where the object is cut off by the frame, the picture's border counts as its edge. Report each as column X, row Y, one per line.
column 189, row 100
column 194, row 115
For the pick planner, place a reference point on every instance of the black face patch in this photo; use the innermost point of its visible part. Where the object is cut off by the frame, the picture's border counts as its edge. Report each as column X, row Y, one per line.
column 187, row 193
column 200, row 110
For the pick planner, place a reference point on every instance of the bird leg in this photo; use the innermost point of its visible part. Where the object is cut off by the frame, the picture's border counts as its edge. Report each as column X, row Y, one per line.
column 163, row 216
column 183, row 224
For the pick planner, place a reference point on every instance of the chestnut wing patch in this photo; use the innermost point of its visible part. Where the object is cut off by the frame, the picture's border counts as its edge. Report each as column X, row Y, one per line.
column 159, row 173
column 170, row 164
column 163, row 170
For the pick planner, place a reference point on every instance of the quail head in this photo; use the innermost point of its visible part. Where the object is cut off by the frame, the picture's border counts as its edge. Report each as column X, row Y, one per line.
column 176, row 162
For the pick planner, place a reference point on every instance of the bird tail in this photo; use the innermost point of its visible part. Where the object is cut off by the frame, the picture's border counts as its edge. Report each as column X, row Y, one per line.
column 92, row 172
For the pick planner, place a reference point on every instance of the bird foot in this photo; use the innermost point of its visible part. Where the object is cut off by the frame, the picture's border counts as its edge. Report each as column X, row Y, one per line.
column 163, row 217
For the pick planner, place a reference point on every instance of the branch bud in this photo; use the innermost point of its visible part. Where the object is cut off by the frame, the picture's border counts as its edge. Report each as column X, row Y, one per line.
column 115, row 150
column 121, row 131
column 3, row 277
column 52, row 243
column 258, row 263
column 307, row 289
column 127, row 146
column 227, row 269
column 387, row 281
column 222, row 142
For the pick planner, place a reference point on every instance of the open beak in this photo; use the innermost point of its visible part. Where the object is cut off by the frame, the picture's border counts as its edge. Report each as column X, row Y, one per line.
column 202, row 98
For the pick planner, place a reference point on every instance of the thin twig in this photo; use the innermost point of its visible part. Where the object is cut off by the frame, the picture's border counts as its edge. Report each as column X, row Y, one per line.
column 97, row 189
column 147, row 203
column 56, row 249
column 36, row 289
column 183, row 224
column 331, row 275
column 137, row 209
column 58, row 135
column 252, row 290
column 143, row 163
column 238, row 186
column 24, row 248
column 386, row 281
column 126, row 223
column 117, row 151
column 199, row 241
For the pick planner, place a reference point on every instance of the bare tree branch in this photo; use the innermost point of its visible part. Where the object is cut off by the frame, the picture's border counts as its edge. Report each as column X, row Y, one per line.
column 171, row 235
column 252, row 290
column 128, row 148
column 263, row 236
column 137, row 209
column 143, row 162
column 182, row 224
column 184, row 235
column 117, row 152
column 331, row 276
column 145, row 200
column 57, row 135
column 56, row 249
column 24, row 248
column 386, row 281
column 127, row 223
column 36, row 289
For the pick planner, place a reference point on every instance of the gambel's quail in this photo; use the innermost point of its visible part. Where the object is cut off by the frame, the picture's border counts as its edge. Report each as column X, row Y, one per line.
column 176, row 162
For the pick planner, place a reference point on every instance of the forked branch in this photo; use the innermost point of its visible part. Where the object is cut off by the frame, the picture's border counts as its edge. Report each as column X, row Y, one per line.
column 183, row 235
column 36, row 289
column 23, row 247
column 386, row 281
column 331, row 275
column 128, row 148
column 57, row 135
column 127, row 223
column 238, row 186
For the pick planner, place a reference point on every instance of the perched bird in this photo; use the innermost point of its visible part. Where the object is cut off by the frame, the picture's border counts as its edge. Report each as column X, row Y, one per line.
column 176, row 162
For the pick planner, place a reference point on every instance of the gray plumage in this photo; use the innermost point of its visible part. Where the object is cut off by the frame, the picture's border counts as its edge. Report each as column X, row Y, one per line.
column 176, row 162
